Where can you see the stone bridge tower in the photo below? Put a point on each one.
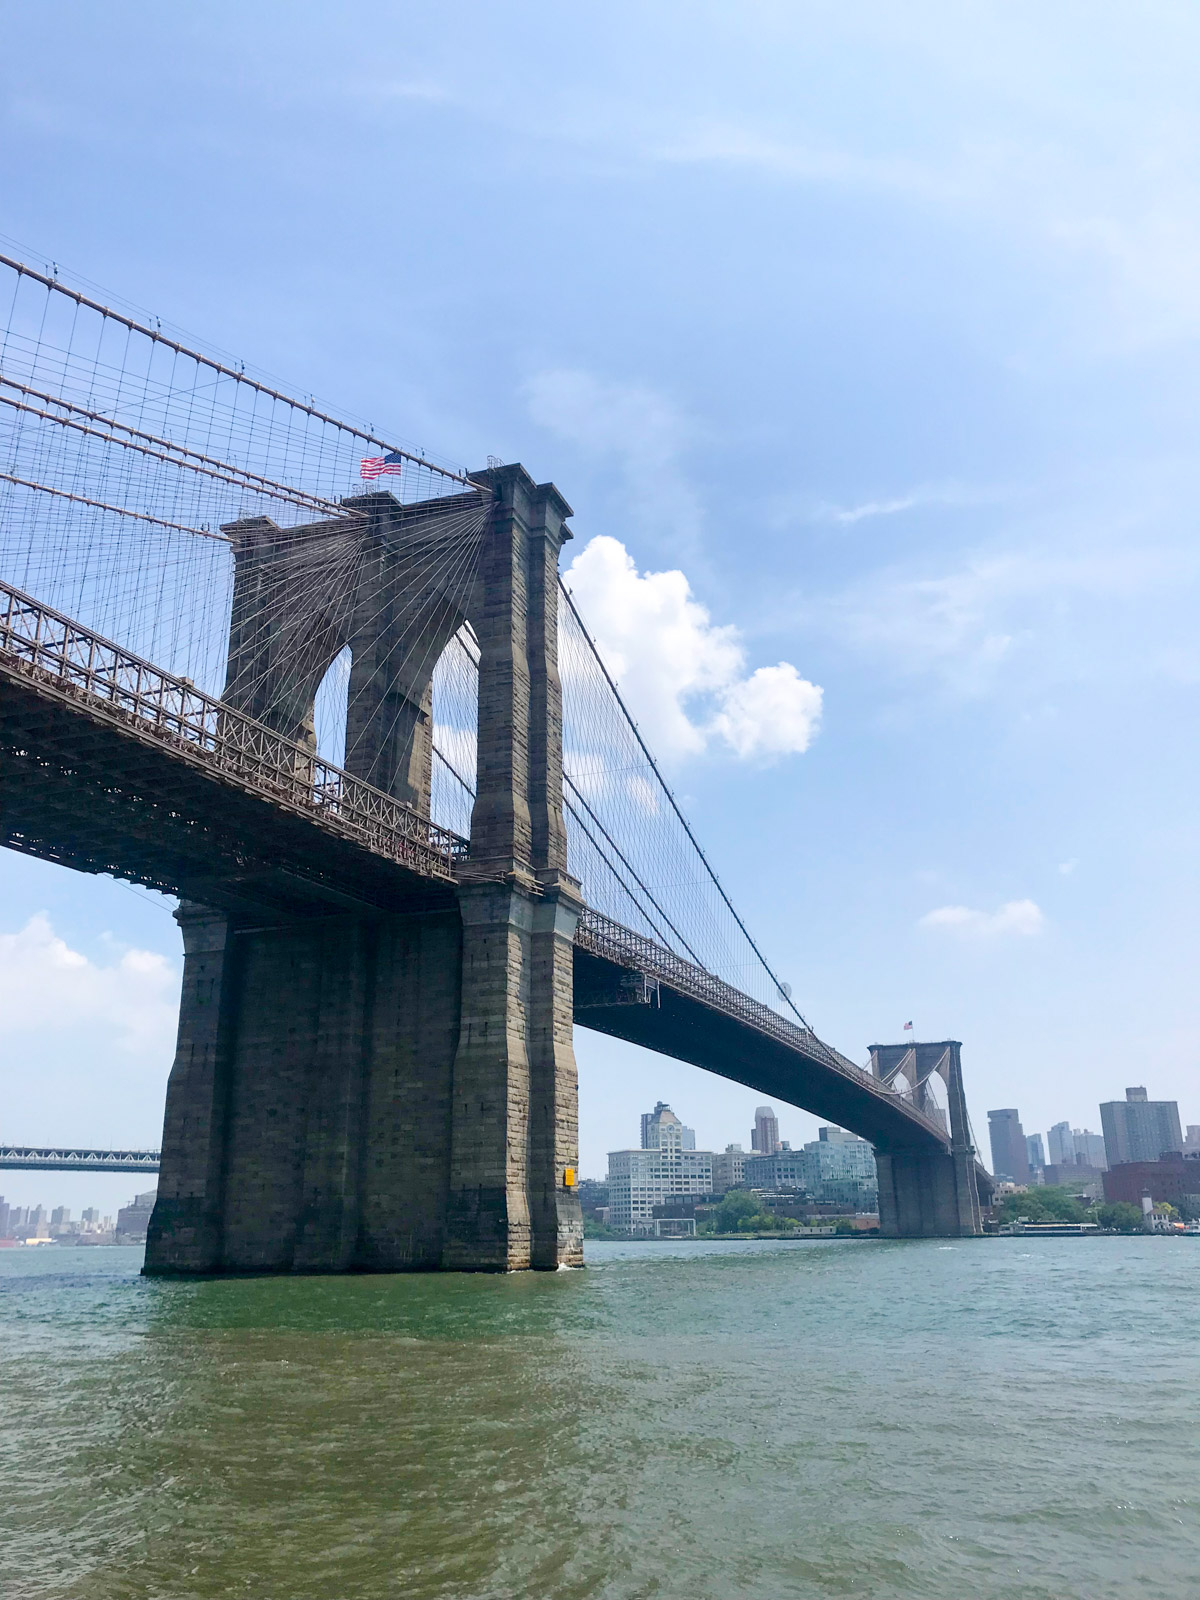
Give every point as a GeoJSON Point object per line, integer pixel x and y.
{"type": "Point", "coordinates": [928, 1193]}
{"type": "Point", "coordinates": [385, 1091]}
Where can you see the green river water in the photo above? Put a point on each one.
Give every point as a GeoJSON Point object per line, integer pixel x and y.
{"type": "Point", "coordinates": [999, 1419]}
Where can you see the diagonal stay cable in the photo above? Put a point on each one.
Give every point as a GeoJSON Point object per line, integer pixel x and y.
{"type": "Point", "coordinates": [626, 863]}
{"type": "Point", "coordinates": [633, 899]}
{"type": "Point", "coordinates": [155, 334]}
{"type": "Point", "coordinates": [675, 804]}
{"type": "Point", "coordinates": [455, 774]}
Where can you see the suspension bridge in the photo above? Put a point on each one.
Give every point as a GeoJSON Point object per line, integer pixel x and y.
{"type": "Point", "coordinates": [334, 695]}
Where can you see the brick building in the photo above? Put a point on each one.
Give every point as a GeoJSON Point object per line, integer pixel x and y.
{"type": "Point", "coordinates": [1174, 1178]}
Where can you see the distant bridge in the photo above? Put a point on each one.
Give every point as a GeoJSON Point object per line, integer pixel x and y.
{"type": "Point", "coordinates": [74, 1158]}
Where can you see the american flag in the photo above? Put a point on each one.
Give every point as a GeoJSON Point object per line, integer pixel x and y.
{"type": "Point", "coordinates": [907, 1026]}
{"type": "Point", "coordinates": [376, 466]}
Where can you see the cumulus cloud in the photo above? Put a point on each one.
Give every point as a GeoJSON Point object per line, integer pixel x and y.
{"type": "Point", "coordinates": [685, 675]}
{"type": "Point", "coordinates": [1022, 918]}
{"type": "Point", "coordinates": [90, 1038]}
{"type": "Point", "coordinates": [773, 712]}
{"type": "Point", "coordinates": [47, 988]}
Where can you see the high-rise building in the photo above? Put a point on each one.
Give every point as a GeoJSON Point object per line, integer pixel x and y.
{"type": "Point", "coordinates": [1061, 1144]}
{"type": "Point", "coordinates": [1035, 1155]}
{"type": "Point", "coordinates": [134, 1219]}
{"type": "Point", "coordinates": [1138, 1128]}
{"type": "Point", "coordinates": [1007, 1136]}
{"type": "Point", "coordinates": [764, 1136]}
{"type": "Point", "coordinates": [1089, 1148]}
{"type": "Point", "coordinates": [663, 1169]}
{"type": "Point", "coordinates": [1191, 1139]}
{"type": "Point", "coordinates": [650, 1126]}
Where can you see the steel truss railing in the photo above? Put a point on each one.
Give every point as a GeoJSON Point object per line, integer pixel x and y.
{"type": "Point", "coordinates": [610, 940]}
{"type": "Point", "coordinates": [50, 649]}
{"type": "Point", "coordinates": [74, 1158]}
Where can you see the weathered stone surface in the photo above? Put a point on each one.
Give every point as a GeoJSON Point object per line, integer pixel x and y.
{"type": "Point", "coordinates": [395, 1091]}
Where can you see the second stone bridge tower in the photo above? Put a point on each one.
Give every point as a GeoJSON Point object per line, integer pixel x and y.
{"type": "Point", "coordinates": [384, 1091]}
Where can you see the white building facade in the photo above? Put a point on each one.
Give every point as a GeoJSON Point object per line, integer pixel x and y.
{"type": "Point", "coordinates": [665, 1169]}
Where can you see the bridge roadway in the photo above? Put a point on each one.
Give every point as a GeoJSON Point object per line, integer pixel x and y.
{"type": "Point", "coordinates": [111, 765]}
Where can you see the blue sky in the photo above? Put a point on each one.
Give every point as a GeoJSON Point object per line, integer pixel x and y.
{"type": "Point", "coordinates": [879, 323]}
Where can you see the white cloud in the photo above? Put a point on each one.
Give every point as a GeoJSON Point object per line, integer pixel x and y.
{"type": "Point", "coordinates": [1068, 867]}
{"type": "Point", "coordinates": [872, 508]}
{"type": "Point", "coordinates": [948, 494]}
{"type": "Point", "coordinates": [1022, 918]}
{"type": "Point", "coordinates": [683, 674]}
{"type": "Point", "coordinates": [47, 988]}
{"type": "Point", "coordinates": [772, 712]}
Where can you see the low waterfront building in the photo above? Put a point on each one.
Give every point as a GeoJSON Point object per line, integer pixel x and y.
{"type": "Point", "coordinates": [1076, 1177]}
{"type": "Point", "coordinates": [841, 1170]}
{"type": "Point", "coordinates": [837, 1168]}
{"type": "Point", "coordinates": [1175, 1180]}
{"type": "Point", "coordinates": [787, 1169]}
{"type": "Point", "coordinates": [728, 1169]}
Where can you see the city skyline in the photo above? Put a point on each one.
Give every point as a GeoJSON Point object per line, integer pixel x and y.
{"type": "Point", "coordinates": [1137, 1129]}
{"type": "Point", "coordinates": [835, 1171]}
{"type": "Point", "coordinates": [21, 1222]}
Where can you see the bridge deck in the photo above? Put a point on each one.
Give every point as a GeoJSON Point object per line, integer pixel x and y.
{"type": "Point", "coordinates": [688, 1014]}
{"type": "Point", "coordinates": [111, 765]}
